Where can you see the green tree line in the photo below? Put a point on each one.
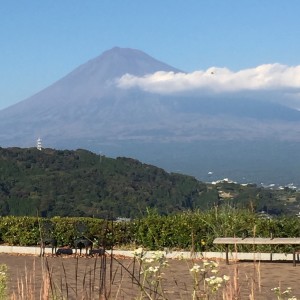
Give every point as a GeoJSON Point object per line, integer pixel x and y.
{"type": "Point", "coordinates": [80, 183]}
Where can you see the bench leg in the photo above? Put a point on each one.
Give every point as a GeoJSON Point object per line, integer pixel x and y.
{"type": "Point", "coordinates": [294, 257]}
{"type": "Point", "coordinates": [227, 259]}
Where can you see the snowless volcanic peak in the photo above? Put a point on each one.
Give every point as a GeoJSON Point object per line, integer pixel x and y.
{"type": "Point", "coordinates": [83, 104]}
{"type": "Point", "coordinates": [87, 108]}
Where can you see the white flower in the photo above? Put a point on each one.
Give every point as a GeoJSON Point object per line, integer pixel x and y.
{"type": "Point", "coordinates": [226, 278]}
{"type": "Point", "coordinates": [195, 269]}
{"type": "Point", "coordinates": [213, 280]}
{"type": "Point", "coordinates": [153, 269]}
{"type": "Point", "coordinates": [138, 252]}
{"type": "Point", "coordinates": [287, 291]}
{"type": "Point", "coordinates": [206, 263]}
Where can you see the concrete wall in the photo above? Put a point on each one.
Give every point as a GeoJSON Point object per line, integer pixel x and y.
{"type": "Point", "coordinates": [169, 254]}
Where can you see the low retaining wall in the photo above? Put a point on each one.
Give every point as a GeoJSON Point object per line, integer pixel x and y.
{"type": "Point", "coordinates": [169, 254]}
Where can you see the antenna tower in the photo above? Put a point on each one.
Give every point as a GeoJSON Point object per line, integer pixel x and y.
{"type": "Point", "coordinates": [39, 144]}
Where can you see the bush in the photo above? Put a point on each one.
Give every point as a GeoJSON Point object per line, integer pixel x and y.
{"type": "Point", "coordinates": [190, 231]}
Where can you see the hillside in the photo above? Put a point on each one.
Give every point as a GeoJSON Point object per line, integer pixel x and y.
{"type": "Point", "coordinates": [80, 183]}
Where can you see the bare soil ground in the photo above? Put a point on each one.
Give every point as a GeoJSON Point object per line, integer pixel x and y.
{"type": "Point", "coordinates": [87, 278]}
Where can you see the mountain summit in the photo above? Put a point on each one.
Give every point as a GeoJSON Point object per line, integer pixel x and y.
{"type": "Point", "coordinates": [113, 64]}
{"type": "Point", "coordinates": [82, 104]}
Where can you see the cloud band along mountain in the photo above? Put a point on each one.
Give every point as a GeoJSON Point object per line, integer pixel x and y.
{"type": "Point", "coordinates": [90, 103]}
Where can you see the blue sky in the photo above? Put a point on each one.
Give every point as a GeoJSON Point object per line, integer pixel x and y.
{"type": "Point", "coordinates": [41, 41]}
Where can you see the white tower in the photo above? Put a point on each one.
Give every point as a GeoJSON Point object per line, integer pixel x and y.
{"type": "Point", "coordinates": [39, 144]}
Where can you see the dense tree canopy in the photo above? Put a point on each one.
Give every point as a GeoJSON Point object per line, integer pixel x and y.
{"type": "Point", "coordinates": [80, 183]}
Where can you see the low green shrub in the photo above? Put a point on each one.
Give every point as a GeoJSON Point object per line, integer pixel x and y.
{"type": "Point", "coordinates": [190, 231]}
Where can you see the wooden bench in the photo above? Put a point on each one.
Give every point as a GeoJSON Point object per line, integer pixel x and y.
{"type": "Point", "coordinates": [258, 241]}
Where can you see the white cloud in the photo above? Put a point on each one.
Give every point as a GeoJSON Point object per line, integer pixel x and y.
{"type": "Point", "coordinates": [268, 77]}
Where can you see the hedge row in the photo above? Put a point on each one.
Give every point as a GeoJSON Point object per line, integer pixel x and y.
{"type": "Point", "coordinates": [185, 231]}
{"type": "Point", "coordinates": [28, 231]}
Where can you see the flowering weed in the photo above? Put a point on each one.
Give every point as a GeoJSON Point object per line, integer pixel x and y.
{"type": "Point", "coordinates": [283, 295]}
{"type": "Point", "coordinates": [151, 271]}
{"type": "Point", "coordinates": [3, 281]}
{"type": "Point", "coordinates": [205, 280]}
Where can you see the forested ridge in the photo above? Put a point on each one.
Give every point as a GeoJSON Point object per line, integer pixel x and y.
{"type": "Point", "coordinates": [80, 183]}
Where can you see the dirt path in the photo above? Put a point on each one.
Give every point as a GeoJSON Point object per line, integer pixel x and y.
{"type": "Point", "coordinates": [86, 278]}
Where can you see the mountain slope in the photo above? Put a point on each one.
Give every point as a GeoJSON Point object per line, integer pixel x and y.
{"type": "Point", "coordinates": [83, 103]}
